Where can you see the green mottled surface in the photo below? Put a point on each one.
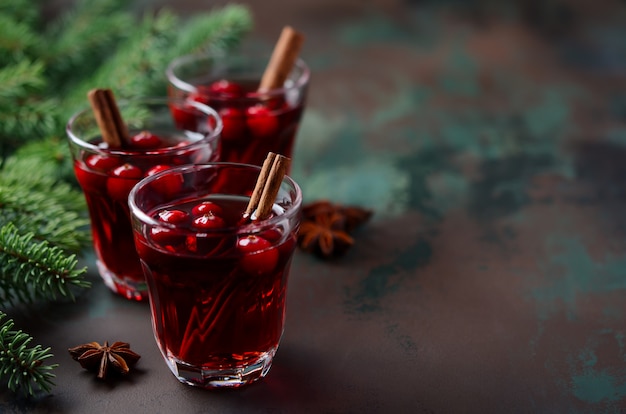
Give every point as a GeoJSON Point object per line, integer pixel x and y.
{"type": "Point", "coordinates": [490, 140]}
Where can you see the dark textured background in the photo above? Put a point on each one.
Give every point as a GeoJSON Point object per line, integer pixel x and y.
{"type": "Point", "coordinates": [490, 139]}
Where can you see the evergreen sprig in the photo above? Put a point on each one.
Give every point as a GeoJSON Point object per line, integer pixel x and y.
{"type": "Point", "coordinates": [38, 203]}
{"type": "Point", "coordinates": [23, 366]}
{"type": "Point", "coordinates": [35, 270]}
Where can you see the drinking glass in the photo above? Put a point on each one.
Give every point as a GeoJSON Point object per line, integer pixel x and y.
{"type": "Point", "coordinates": [217, 282]}
{"type": "Point", "coordinates": [106, 175]}
{"type": "Point", "coordinates": [255, 122]}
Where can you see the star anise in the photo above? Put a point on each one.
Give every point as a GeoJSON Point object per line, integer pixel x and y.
{"type": "Point", "coordinates": [95, 357]}
{"type": "Point", "coordinates": [325, 227]}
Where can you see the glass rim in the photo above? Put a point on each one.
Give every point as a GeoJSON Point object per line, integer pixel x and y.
{"type": "Point", "coordinates": [173, 78]}
{"type": "Point", "coordinates": [136, 211]}
{"type": "Point", "coordinates": [207, 110]}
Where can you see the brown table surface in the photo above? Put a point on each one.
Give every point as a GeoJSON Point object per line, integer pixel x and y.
{"type": "Point", "coordinates": [490, 140]}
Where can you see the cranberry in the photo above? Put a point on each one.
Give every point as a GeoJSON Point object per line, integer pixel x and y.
{"type": "Point", "coordinates": [261, 121]}
{"type": "Point", "coordinates": [157, 169]}
{"type": "Point", "coordinates": [226, 88]}
{"type": "Point", "coordinates": [260, 257]}
{"type": "Point", "coordinates": [208, 221]}
{"type": "Point", "coordinates": [169, 239]}
{"type": "Point", "coordinates": [90, 174]}
{"type": "Point", "coordinates": [275, 236]}
{"type": "Point", "coordinates": [143, 251]}
{"type": "Point", "coordinates": [185, 117]}
{"type": "Point", "coordinates": [90, 181]}
{"type": "Point", "coordinates": [122, 179]}
{"type": "Point", "coordinates": [206, 207]}
{"type": "Point", "coordinates": [272, 235]}
{"type": "Point", "coordinates": [173, 216]}
{"type": "Point", "coordinates": [201, 95]}
{"type": "Point", "coordinates": [146, 140]}
{"type": "Point", "coordinates": [101, 162]}
{"type": "Point", "coordinates": [234, 123]}
{"type": "Point", "coordinates": [168, 185]}
{"type": "Point", "coordinates": [211, 123]}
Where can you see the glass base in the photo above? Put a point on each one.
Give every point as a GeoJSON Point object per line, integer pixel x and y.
{"type": "Point", "coordinates": [221, 378]}
{"type": "Point", "coordinates": [129, 289]}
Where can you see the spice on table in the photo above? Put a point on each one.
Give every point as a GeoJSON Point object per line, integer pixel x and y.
{"type": "Point", "coordinates": [326, 227]}
{"type": "Point", "coordinates": [103, 358]}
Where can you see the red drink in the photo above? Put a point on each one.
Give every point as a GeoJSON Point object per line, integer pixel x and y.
{"type": "Point", "coordinates": [255, 123]}
{"type": "Point", "coordinates": [217, 286]}
{"type": "Point", "coordinates": [107, 175]}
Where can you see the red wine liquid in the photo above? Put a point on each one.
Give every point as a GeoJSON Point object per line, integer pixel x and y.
{"type": "Point", "coordinates": [214, 304]}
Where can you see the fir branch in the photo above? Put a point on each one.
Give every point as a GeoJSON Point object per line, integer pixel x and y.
{"type": "Point", "coordinates": [21, 365]}
{"type": "Point", "coordinates": [139, 61]}
{"type": "Point", "coordinates": [223, 28]}
{"type": "Point", "coordinates": [29, 121]}
{"type": "Point", "coordinates": [17, 38]}
{"type": "Point", "coordinates": [51, 156]}
{"type": "Point", "coordinates": [20, 11]}
{"type": "Point", "coordinates": [20, 80]}
{"type": "Point", "coordinates": [138, 66]}
{"type": "Point", "coordinates": [55, 213]}
{"type": "Point", "coordinates": [84, 37]}
{"type": "Point", "coordinates": [35, 270]}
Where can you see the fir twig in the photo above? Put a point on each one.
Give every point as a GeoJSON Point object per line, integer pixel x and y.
{"type": "Point", "coordinates": [33, 270]}
{"type": "Point", "coordinates": [17, 38]}
{"type": "Point", "coordinates": [224, 29]}
{"type": "Point", "coordinates": [52, 211]}
{"type": "Point", "coordinates": [23, 366]}
{"type": "Point", "coordinates": [20, 11]}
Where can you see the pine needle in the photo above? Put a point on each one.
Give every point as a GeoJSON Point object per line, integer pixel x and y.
{"type": "Point", "coordinates": [23, 366]}
{"type": "Point", "coordinates": [35, 270]}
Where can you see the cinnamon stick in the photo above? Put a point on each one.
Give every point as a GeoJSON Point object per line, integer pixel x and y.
{"type": "Point", "coordinates": [274, 169]}
{"type": "Point", "coordinates": [282, 60]}
{"type": "Point", "coordinates": [260, 184]}
{"type": "Point", "coordinates": [112, 127]}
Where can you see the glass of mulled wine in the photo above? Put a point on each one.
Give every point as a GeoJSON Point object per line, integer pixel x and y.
{"type": "Point", "coordinates": [217, 282]}
{"type": "Point", "coordinates": [106, 175]}
{"type": "Point", "coordinates": [255, 122]}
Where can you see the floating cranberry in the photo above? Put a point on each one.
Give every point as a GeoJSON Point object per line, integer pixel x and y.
{"type": "Point", "coordinates": [101, 162]}
{"type": "Point", "coordinates": [185, 116]}
{"type": "Point", "coordinates": [200, 95]}
{"type": "Point", "coordinates": [90, 181]}
{"type": "Point", "coordinates": [146, 140]}
{"type": "Point", "coordinates": [225, 88]}
{"type": "Point", "coordinates": [234, 123]}
{"type": "Point", "coordinates": [206, 207]}
{"type": "Point", "coordinates": [261, 121]}
{"type": "Point", "coordinates": [157, 169]}
{"type": "Point", "coordinates": [169, 239]}
{"type": "Point", "coordinates": [272, 235]}
{"type": "Point", "coordinates": [91, 174]}
{"type": "Point", "coordinates": [260, 257]}
{"type": "Point", "coordinates": [173, 216]}
{"type": "Point", "coordinates": [122, 179]}
{"type": "Point", "coordinates": [208, 221]}
{"type": "Point", "coordinates": [168, 185]}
